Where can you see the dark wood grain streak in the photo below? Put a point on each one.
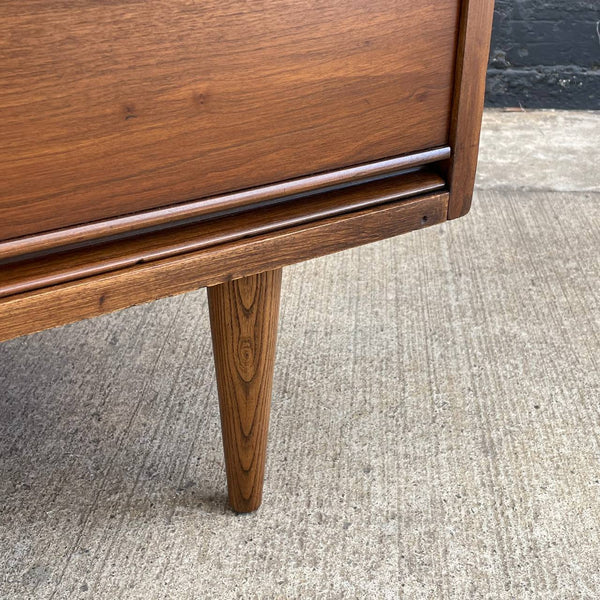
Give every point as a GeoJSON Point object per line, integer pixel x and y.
{"type": "Point", "coordinates": [42, 271]}
{"type": "Point", "coordinates": [60, 304]}
{"type": "Point", "coordinates": [243, 315]}
{"type": "Point", "coordinates": [136, 223]}
{"type": "Point", "coordinates": [469, 91]}
{"type": "Point", "coordinates": [113, 108]}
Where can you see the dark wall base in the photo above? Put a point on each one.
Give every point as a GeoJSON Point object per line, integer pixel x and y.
{"type": "Point", "coordinates": [544, 87]}
{"type": "Point", "coordinates": [545, 54]}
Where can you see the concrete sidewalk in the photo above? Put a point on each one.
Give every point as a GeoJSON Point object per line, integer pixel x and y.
{"type": "Point", "coordinates": [435, 429]}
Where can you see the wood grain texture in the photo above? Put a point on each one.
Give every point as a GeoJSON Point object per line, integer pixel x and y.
{"type": "Point", "coordinates": [111, 108]}
{"type": "Point", "coordinates": [93, 296]}
{"type": "Point", "coordinates": [244, 315]}
{"type": "Point", "coordinates": [469, 91]}
{"type": "Point", "coordinates": [190, 211]}
{"type": "Point", "coordinates": [17, 276]}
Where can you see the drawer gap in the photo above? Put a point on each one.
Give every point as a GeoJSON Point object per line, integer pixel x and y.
{"type": "Point", "coordinates": [18, 275]}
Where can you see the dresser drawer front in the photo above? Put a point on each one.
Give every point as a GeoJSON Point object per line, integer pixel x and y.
{"type": "Point", "coordinates": [112, 108]}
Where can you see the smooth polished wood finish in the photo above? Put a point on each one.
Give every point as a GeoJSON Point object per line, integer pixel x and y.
{"type": "Point", "coordinates": [41, 271]}
{"type": "Point", "coordinates": [112, 108]}
{"type": "Point", "coordinates": [469, 92]}
{"type": "Point", "coordinates": [243, 315]}
{"type": "Point", "coordinates": [191, 211]}
{"type": "Point", "coordinates": [92, 296]}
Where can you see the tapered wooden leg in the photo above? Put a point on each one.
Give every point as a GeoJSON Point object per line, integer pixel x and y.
{"type": "Point", "coordinates": [243, 317]}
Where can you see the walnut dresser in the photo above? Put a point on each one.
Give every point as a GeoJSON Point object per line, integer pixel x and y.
{"type": "Point", "coordinates": [152, 147]}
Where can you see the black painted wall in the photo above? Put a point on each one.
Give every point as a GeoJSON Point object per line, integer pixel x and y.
{"type": "Point", "coordinates": [545, 54]}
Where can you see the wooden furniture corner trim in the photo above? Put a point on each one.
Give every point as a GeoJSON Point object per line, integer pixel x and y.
{"type": "Point", "coordinates": [469, 91]}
